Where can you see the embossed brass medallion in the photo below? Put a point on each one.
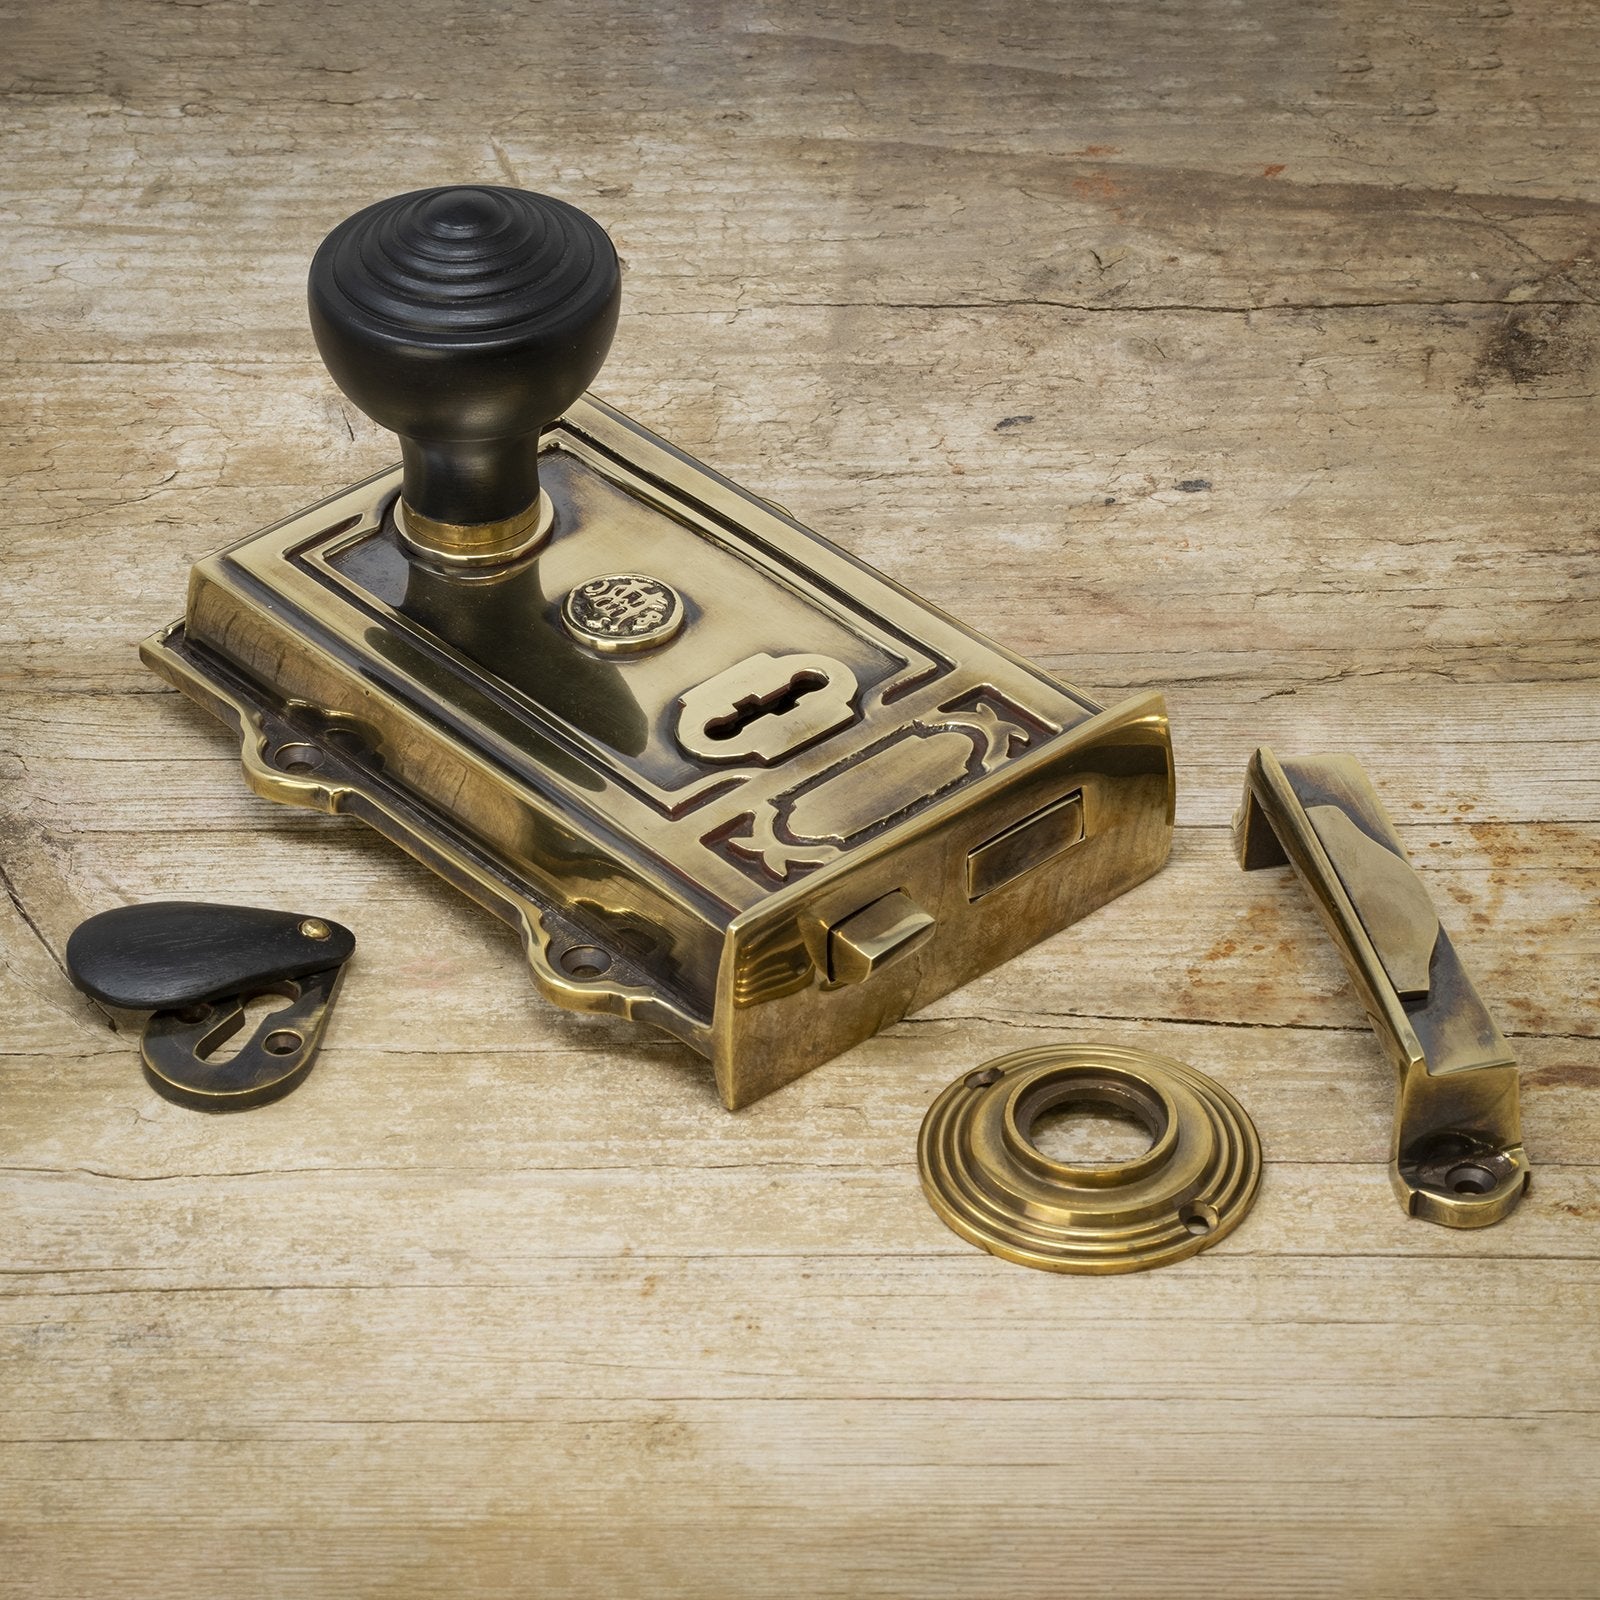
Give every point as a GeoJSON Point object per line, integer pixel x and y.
{"type": "Point", "coordinates": [622, 613]}
{"type": "Point", "coordinates": [988, 1180]}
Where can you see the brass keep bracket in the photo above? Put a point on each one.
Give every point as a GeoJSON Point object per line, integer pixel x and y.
{"type": "Point", "coordinates": [1457, 1157]}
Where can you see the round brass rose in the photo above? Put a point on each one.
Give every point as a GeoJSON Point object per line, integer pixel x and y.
{"type": "Point", "coordinates": [983, 1174]}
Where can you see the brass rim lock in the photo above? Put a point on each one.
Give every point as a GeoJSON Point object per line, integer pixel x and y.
{"type": "Point", "coordinates": [722, 778]}
{"type": "Point", "coordinates": [989, 1181]}
{"type": "Point", "coordinates": [195, 968]}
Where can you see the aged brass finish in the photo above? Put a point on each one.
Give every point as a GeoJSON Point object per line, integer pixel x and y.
{"type": "Point", "coordinates": [862, 944]}
{"type": "Point", "coordinates": [703, 813]}
{"type": "Point", "coordinates": [177, 1046]}
{"type": "Point", "coordinates": [988, 1181]}
{"type": "Point", "coordinates": [766, 707]}
{"type": "Point", "coordinates": [1395, 910]}
{"type": "Point", "coordinates": [720, 776]}
{"type": "Point", "coordinates": [1024, 846]}
{"type": "Point", "coordinates": [476, 544]}
{"type": "Point", "coordinates": [623, 613]}
{"type": "Point", "coordinates": [1457, 1155]}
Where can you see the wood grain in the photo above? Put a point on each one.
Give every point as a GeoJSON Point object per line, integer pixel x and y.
{"type": "Point", "coordinates": [1245, 350]}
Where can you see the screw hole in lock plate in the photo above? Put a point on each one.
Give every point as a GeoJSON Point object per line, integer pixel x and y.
{"type": "Point", "coordinates": [1458, 1166]}
{"type": "Point", "coordinates": [584, 961]}
{"type": "Point", "coordinates": [297, 758]}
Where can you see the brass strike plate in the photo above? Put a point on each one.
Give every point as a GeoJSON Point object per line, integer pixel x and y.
{"type": "Point", "coordinates": [691, 830]}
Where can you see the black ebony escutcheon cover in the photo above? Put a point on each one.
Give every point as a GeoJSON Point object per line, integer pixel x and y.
{"type": "Point", "coordinates": [176, 952]}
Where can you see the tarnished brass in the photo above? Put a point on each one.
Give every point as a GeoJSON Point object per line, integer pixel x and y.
{"type": "Point", "coordinates": [987, 1179]}
{"type": "Point", "coordinates": [682, 833]}
{"type": "Point", "coordinates": [177, 1046]}
{"type": "Point", "coordinates": [623, 613]}
{"type": "Point", "coordinates": [476, 544]}
{"type": "Point", "coordinates": [1457, 1155]}
{"type": "Point", "coordinates": [1025, 845]}
{"type": "Point", "coordinates": [860, 945]}
{"type": "Point", "coordinates": [766, 707]}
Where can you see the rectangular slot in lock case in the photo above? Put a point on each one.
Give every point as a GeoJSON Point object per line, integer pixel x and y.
{"type": "Point", "coordinates": [721, 776]}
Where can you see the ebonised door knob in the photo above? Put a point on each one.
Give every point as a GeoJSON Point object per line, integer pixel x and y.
{"type": "Point", "coordinates": [466, 320]}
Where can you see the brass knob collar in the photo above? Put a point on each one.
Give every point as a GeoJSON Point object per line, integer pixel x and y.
{"type": "Point", "coordinates": [477, 544]}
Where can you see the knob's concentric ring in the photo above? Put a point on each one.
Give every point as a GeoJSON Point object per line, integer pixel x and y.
{"type": "Point", "coordinates": [467, 320]}
{"type": "Point", "coordinates": [466, 263]}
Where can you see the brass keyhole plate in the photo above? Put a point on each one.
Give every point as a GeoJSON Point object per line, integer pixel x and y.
{"type": "Point", "coordinates": [989, 1181]}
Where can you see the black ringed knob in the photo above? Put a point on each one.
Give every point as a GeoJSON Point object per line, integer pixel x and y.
{"type": "Point", "coordinates": [465, 320]}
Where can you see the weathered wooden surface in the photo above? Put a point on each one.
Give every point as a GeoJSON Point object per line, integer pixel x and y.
{"type": "Point", "coordinates": [1244, 349]}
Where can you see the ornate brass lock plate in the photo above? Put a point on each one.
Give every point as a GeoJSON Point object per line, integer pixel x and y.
{"type": "Point", "coordinates": [684, 745]}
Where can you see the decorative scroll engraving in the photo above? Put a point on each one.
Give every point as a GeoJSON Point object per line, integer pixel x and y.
{"type": "Point", "coordinates": [888, 781]}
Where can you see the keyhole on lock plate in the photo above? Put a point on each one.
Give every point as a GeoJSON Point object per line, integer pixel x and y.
{"type": "Point", "coordinates": [778, 702]}
{"type": "Point", "coordinates": [766, 707]}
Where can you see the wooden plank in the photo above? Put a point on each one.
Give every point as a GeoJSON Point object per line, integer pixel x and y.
{"type": "Point", "coordinates": [829, 1499]}
{"type": "Point", "coordinates": [1246, 352]}
{"type": "Point", "coordinates": [1209, 506]}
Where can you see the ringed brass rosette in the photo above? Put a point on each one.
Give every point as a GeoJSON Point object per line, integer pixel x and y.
{"type": "Point", "coordinates": [983, 1174]}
